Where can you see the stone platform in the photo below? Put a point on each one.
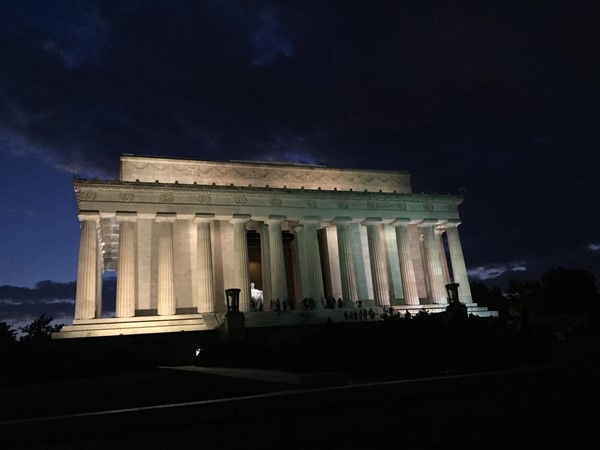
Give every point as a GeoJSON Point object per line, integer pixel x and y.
{"type": "Point", "coordinates": [203, 322]}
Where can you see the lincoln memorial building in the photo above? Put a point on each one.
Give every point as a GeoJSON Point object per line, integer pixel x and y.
{"type": "Point", "coordinates": [179, 233]}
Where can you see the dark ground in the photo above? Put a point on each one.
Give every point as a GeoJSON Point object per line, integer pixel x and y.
{"type": "Point", "coordinates": [57, 377]}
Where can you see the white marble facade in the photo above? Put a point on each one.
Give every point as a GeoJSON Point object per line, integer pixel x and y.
{"type": "Point", "coordinates": [176, 233]}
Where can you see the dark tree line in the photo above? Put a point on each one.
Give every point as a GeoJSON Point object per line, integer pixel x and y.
{"type": "Point", "coordinates": [560, 291]}
{"type": "Point", "coordinates": [39, 329]}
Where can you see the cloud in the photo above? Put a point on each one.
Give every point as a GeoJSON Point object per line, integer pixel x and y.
{"type": "Point", "coordinates": [20, 305]}
{"type": "Point", "coordinates": [462, 97]}
{"type": "Point", "coordinates": [491, 272]}
{"type": "Point", "coordinates": [269, 42]}
{"type": "Point", "coordinates": [594, 247]}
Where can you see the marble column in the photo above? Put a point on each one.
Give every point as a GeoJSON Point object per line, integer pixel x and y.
{"type": "Point", "coordinates": [349, 290]}
{"type": "Point", "coordinates": [265, 261]}
{"type": "Point", "coordinates": [240, 255]}
{"type": "Point", "coordinates": [407, 270]}
{"type": "Point", "coordinates": [166, 289]}
{"type": "Point", "coordinates": [379, 274]}
{"type": "Point", "coordinates": [125, 306]}
{"type": "Point", "coordinates": [313, 259]}
{"type": "Point", "coordinates": [87, 277]}
{"type": "Point", "coordinates": [204, 275]}
{"type": "Point", "coordinates": [99, 274]}
{"type": "Point", "coordinates": [457, 260]}
{"type": "Point", "coordinates": [278, 277]}
{"type": "Point", "coordinates": [433, 265]}
{"type": "Point", "coordinates": [439, 234]}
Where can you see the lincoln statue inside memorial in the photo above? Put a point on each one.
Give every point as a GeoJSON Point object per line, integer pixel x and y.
{"type": "Point", "coordinates": [179, 233]}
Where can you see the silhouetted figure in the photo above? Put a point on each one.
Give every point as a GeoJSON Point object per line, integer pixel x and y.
{"type": "Point", "coordinates": [340, 303]}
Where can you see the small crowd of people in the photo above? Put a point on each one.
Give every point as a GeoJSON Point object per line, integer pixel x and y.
{"type": "Point", "coordinates": [360, 315]}
{"type": "Point", "coordinates": [281, 306]}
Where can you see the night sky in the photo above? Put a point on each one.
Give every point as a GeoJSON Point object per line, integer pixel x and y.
{"type": "Point", "coordinates": [498, 101]}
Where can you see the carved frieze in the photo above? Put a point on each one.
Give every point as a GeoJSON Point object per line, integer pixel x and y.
{"type": "Point", "coordinates": [87, 196]}
{"type": "Point", "coordinates": [166, 198]}
{"type": "Point", "coordinates": [261, 174]}
{"type": "Point", "coordinates": [240, 200]}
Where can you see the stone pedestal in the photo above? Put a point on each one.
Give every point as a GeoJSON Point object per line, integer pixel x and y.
{"type": "Point", "coordinates": [234, 328]}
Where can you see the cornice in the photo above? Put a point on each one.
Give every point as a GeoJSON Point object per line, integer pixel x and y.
{"type": "Point", "coordinates": [120, 195]}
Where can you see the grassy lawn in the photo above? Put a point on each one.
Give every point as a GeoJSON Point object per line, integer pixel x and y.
{"type": "Point", "coordinates": [124, 390]}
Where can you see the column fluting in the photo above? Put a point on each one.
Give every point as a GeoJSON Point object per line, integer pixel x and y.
{"type": "Point", "coordinates": [166, 288]}
{"type": "Point", "coordinates": [240, 250]}
{"type": "Point", "coordinates": [407, 270]}
{"type": "Point", "coordinates": [205, 277]}
{"type": "Point", "coordinates": [379, 275]}
{"type": "Point", "coordinates": [265, 259]}
{"type": "Point", "coordinates": [125, 305]}
{"type": "Point", "coordinates": [433, 265]}
{"type": "Point", "coordinates": [85, 297]}
{"type": "Point", "coordinates": [278, 276]}
{"type": "Point", "coordinates": [348, 277]}
{"type": "Point", "coordinates": [457, 260]}
{"type": "Point", "coordinates": [313, 259]}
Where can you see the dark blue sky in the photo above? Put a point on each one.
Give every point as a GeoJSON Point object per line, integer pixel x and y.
{"type": "Point", "coordinates": [498, 100]}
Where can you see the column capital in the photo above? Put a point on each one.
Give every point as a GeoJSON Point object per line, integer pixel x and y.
{"type": "Point", "coordinates": [240, 218]}
{"type": "Point", "coordinates": [452, 223]}
{"type": "Point", "coordinates": [204, 218]}
{"type": "Point", "coordinates": [372, 221]}
{"type": "Point", "coordinates": [89, 215]}
{"type": "Point", "coordinates": [310, 220]}
{"type": "Point", "coordinates": [165, 217]}
{"type": "Point", "coordinates": [275, 219]}
{"type": "Point", "coordinates": [428, 222]}
{"type": "Point", "coordinates": [402, 222]}
{"type": "Point", "coordinates": [126, 216]}
{"type": "Point", "coordinates": [341, 221]}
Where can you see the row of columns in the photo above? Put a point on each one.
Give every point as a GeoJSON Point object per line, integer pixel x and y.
{"type": "Point", "coordinates": [274, 272]}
